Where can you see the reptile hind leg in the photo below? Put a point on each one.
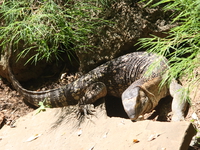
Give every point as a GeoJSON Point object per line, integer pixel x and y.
{"type": "Point", "coordinates": [93, 92]}
{"type": "Point", "coordinates": [179, 103]}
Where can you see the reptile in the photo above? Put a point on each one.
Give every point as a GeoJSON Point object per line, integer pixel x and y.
{"type": "Point", "coordinates": [125, 77]}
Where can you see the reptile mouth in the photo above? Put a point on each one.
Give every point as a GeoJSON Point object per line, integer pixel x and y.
{"type": "Point", "coordinates": [130, 109]}
{"type": "Point", "coordinates": [133, 116]}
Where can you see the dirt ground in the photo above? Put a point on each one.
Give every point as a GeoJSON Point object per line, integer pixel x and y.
{"type": "Point", "coordinates": [13, 107]}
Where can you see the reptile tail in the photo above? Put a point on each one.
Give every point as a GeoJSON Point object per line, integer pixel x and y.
{"type": "Point", "coordinates": [52, 98]}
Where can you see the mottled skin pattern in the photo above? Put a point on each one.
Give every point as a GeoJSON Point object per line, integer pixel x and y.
{"type": "Point", "coordinates": [121, 77]}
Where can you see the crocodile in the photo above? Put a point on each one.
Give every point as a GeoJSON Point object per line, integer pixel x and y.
{"type": "Point", "coordinates": [125, 77]}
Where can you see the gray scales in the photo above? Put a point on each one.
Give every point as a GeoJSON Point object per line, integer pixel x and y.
{"type": "Point", "coordinates": [124, 77]}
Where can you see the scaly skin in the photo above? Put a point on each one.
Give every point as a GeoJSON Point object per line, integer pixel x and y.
{"type": "Point", "coordinates": [124, 76]}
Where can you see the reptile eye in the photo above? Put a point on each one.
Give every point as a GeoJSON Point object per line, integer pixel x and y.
{"type": "Point", "coordinates": [143, 100]}
{"type": "Point", "coordinates": [146, 99]}
{"type": "Point", "coordinates": [138, 100]}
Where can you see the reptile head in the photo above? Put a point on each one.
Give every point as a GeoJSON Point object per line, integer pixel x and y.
{"type": "Point", "coordinates": [134, 101]}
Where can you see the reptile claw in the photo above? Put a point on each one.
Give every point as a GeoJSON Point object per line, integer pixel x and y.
{"type": "Point", "coordinates": [87, 109]}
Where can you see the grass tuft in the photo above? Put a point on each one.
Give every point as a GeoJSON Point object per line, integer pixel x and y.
{"type": "Point", "coordinates": [182, 46]}
{"type": "Point", "coordinates": [49, 27]}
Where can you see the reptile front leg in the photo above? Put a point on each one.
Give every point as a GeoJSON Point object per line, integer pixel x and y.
{"type": "Point", "coordinates": [179, 103]}
{"type": "Point", "coordinates": [93, 92]}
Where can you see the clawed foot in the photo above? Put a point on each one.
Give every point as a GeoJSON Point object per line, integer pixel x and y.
{"type": "Point", "coordinates": [177, 118]}
{"type": "Point", "coordinates": [86, 110]}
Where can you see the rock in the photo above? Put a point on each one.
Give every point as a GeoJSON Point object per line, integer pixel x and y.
{"type": "Point", "coordinates": [24, 71]}
{"type": "Point", "coordinates": [131, 21]}
{"type": "Point", "coordinates": [59, 129]}
{"type": "Point", "coordinates": [196, 140]}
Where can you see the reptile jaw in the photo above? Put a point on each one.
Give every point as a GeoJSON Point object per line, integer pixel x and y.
{"type": "Point", "coordinates": [130, 108]}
